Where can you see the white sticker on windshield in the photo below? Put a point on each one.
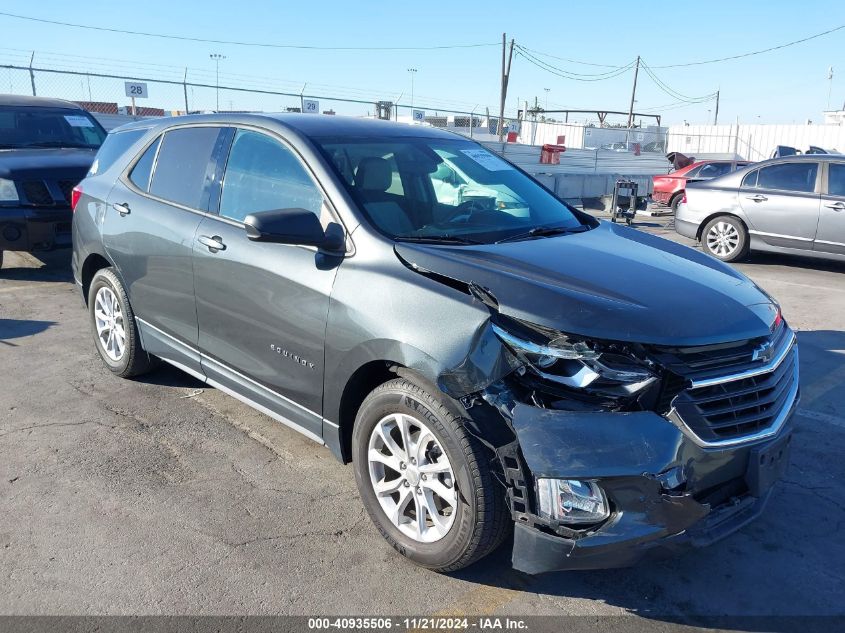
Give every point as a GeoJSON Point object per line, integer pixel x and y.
{"type": "Point", "coordinates": [486, 159]}
{"type": "Point", "coordinates": [77, 120]}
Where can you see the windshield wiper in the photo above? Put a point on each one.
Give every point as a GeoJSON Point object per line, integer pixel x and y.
{"type": "Point", "coordinates": [437, 239]}
{"type": "Point", "coordinates": [543, 231]}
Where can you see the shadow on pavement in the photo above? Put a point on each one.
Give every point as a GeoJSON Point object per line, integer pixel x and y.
{"type": "Point", "coordinates": [810, 263]}
{"type": "Point", "coordinates": [56, 266]}
{"type": "Point", "coordinates": [18, 328]}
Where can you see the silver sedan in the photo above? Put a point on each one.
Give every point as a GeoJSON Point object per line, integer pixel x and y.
{"type": "Point", "coordinates": [790, 205]}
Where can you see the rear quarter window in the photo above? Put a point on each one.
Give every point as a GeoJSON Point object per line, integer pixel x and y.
{"type": "Point", "coordinates": [113, 148]}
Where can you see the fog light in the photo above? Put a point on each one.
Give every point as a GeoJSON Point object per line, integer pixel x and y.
{"type": "Point", "coordinates": [572, 501]}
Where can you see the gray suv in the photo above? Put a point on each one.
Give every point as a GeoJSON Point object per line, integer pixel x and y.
{"type": "Point", "coordinates": [490, 364]}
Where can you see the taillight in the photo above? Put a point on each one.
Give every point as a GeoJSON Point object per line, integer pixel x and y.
{"type": "Point", "coordinates": [75, 195]}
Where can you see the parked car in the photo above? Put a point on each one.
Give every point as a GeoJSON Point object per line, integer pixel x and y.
{"type": "Point", "coordinates": [669, 189]}
{"type": "Point", "coordinates": [786, 150]}
{"type": "Point", "coordinates": [480, 369]}
{"type": "Point", "coordinates": [792, 205]}
{"type": "Point", "coordinates": [46, 146]}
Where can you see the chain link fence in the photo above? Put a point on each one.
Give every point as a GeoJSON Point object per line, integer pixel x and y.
{"type": "Point", "coordinates": [106, 94]}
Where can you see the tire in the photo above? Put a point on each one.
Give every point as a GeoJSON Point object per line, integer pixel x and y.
{"type": "Point", "coordinates": [675, 202]}
{"type": "Point", "coordinates": [478, 521]}
{"type": "Point", "coordinates": [107, 293]}
{"type": "Point", "coordinates": [726, 238]}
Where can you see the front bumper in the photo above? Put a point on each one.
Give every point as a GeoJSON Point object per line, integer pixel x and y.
{"type": "Point", "coordinates": [24, 228]}
{"type": "Point", "coordinates": [667, 492]}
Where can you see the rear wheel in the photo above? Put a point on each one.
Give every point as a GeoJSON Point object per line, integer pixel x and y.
{"type": "Point", "coordinates": [725, 238]}
{"type": "Point", "coordinates": [114, 328]}
{"type": "Point", "coordinates": [425, 482]}
{"type": "Point", "coordinates": [675, 202]}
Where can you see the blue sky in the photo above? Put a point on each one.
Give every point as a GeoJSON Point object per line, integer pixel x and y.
{"type": "Point", "coordinates": [784, 86]}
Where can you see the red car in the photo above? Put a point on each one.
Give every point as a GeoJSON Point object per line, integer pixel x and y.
{"type": "Point", "coordinates": [669, 189]}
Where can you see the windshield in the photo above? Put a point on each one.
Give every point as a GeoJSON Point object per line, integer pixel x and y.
{"type": "Point", "coordinates": [443, 189]}
{"type": "Point", "coordinates": [28, 126]}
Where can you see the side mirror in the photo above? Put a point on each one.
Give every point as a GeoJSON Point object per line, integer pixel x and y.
{"type": "Point", "coordinates": [293, 226]}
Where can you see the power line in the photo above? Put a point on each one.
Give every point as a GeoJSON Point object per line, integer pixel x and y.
{"type": "Point", "coordinates": [565, 59]}
{"type": "Point", "coordinates": [760, 52]}
{"type": "Point", "coordinates": [239, 43]}
{"type": "Point", "coordinates": [674, 93]}
{"type": "Point", "coordinates": [569, 75]}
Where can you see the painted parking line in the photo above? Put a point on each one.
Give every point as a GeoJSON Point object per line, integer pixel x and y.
{"type": "Point", "coordinates": [818, 416]}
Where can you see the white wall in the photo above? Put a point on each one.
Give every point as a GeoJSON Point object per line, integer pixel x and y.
{"type": "Point", "coordinates": [754, 142]}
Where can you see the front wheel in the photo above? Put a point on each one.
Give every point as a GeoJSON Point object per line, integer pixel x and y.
{"type": "Point", "coordinates": [725, 238]}
{"type": "Point", "coordinates": [426, 483]}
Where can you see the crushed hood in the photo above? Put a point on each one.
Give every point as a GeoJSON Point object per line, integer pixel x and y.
{"type": "Point", "coordinates": [611, 282]}
{"type": "Point", "coordinates": [45, 163]}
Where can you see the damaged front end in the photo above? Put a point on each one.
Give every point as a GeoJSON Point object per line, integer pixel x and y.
{"type": "Point", "coordinates": [599, 468]}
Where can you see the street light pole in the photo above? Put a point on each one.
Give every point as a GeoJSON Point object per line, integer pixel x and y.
{"type": "Point", "coordinates": [547, 97]}
{"type": "Point", "coordinates": [217, 57]}
{"type": "Point", "coordinates": [412, 72]}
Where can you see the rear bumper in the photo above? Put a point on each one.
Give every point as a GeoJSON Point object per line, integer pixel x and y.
{"type": "Point", "coordinates": [661, 197]}
{"type": "Point", "coordinates": [34, 229]}
{"type": "Point", "coordinates": [686, 228]}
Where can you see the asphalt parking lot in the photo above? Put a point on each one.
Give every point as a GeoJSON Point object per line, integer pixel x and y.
{"type": "Point", "coordinates": [161, 495]}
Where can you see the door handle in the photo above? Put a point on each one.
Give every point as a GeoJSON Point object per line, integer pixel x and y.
{"type": "Point", "coordinates": [836, 206]}
{"type": "Point", "coordinates": [122, 208]}
{"type": "Point", "coordinates": [214, 243]}
{"type": "Point", "coordinates": [757, 198]}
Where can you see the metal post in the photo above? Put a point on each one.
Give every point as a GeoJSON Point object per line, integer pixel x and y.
{"type": "Point", "coordinates": [217, 57]}
{"type": "Point", "coordinates": [633, 93]}
{"type": "Point", "coordinates": [506, 70]}
{"type": "Point", "coordinates": [32, 73]}
{"type": "Point", "coordinates": [412, 72]}
{"type": "Point", "coordinates": [185, 89]}
{"type": "Point", "coordinates": [716, 115]}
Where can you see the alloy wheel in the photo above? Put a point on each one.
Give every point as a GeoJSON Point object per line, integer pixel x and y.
{"type": "Point", "coordinates": [723, 239]}
{"type": "Point", "coordinates": [108, 319]}
{"type": "Point", "coordinates": [412, 478]}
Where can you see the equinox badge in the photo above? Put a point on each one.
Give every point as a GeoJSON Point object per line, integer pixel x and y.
{"type": "Point", "coordinates": [294, 357]}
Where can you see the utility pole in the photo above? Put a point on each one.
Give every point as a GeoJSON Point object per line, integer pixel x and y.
{"type": "Point", "coordinates": [506, 73]}
{"type": "Point", "coordinates": [217, 57]}
{"type": "Point", "coordinates": [716, 116]}
{"type": "Point", "coordinates": [633, 93]}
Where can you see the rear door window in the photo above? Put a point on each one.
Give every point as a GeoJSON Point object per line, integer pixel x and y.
{"type": "Point", "coordinates": [184, 170]}
{"type": "Point", "coordinates": [836, 179]}
{"type": "Point", "coordinates": [800, 177]}
{"type": "Point", "coordinates": [113, 148]}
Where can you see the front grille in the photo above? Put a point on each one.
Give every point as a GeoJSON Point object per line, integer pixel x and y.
{"type": "Point", "coordinates": [67, 186]}
{"type": "Point", "coordinates": [709, 361]}
{"type": "Point", "coordinates": [37, 193]}
{"type": "Point", "coordinates": [727, 392]}
{"type": "Point", "coordinates": [740, 407]}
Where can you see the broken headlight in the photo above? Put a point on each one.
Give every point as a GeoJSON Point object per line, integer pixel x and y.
{"type": "Point", "coordinates": [572, 501]}
{"type": "Point", "coordinates": [579, 363]}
